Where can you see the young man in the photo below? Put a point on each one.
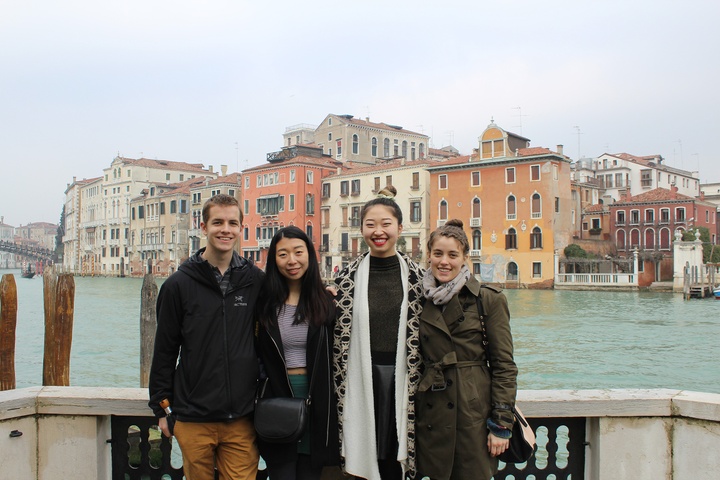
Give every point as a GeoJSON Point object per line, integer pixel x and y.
{"type": "Point", "coordinates": [204, 362]}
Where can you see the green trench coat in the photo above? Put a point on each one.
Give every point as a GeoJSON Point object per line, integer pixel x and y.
{"type": "Point", "coordinates": [457, 392]}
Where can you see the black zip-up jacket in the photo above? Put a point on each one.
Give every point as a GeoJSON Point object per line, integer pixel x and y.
{"type": "Point", "coordinates": [324, 447]}
{"type": "Point", "coordinates": [205, 362]}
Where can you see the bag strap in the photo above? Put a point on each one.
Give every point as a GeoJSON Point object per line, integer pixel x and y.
{"type": "Point", "coordinates": [317, 355]}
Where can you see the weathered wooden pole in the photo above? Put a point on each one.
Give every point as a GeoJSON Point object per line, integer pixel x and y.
{"type": "Point", "coordinates": [8, 323]}
{"type": "Point", "coordinates": [148, 323]}
{"type": "Point", "coordinates": [49, 286]}
{"type": "Point", "coordinates": [58, 360]}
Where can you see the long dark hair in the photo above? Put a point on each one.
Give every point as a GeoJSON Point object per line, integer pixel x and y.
{"type": "Point", "coordinates": [315, 304]}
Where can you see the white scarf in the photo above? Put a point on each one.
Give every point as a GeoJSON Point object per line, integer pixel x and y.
{"type": "Point", "coordinates": [359, 443]}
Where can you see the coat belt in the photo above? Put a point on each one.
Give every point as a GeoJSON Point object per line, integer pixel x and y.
{"type": "Point", "coordinates": [434, 378]}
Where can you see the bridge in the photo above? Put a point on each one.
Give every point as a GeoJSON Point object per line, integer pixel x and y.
{"type": "Point", "coordinates": [26, 251]}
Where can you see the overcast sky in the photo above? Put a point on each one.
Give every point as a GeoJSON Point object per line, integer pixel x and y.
{"type": "Point", "coordinates": [217, 82]}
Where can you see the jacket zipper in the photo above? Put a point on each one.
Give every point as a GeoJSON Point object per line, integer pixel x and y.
{"type": "Point", "coordinates": [287, 378]}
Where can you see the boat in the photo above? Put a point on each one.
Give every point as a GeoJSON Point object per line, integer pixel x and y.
{"type": "Point", "coordinates": [716, 292]}
{"type": "Point", "coordinates": [27, 271]}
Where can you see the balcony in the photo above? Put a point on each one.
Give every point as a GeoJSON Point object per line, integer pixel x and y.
{"type": "Point", "coordinates": [265, 243]}
{"type": "Point", "coordinates": [88, 433]}
{"type": "Point", "coordinates": [440, 223]}
{"type": "Point", "coordinates": [475, 253]}
{"type": "Point", "coordinates": [475, 222]}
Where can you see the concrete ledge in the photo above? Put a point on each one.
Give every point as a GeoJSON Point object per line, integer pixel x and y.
{"type": "Point", "coordinates": [93, 401]}
{"type": "Point", "coordinates": [18, 403]}
{"type": "Point", "coordinates": [597, 403]}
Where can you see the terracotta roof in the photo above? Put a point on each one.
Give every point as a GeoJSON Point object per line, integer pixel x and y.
{"type": "Point", "coordinates": [233, 178]}
{"type": "Point", "coordinates": [598, 207]}
{"type": "Point", "coordinates": [326, 162]}
{"type": "Point", "coordinates": [657, 195]}
{"type": "Point", "coordinates": [164, 164]}
{"type": "Point", "coordinates": [382, 126]}
{"type": "Point", "coordinates": [526, 152]}
{"type": "Point", "coordinates": [439, 152]}
{"type": "Point", "coordinates": [353, 168]}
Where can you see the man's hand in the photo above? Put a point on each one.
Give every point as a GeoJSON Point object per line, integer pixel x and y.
{"type": "Point", "coordinates": [497, 445]}
{"type": "Point", "coordinates": [163, 424]}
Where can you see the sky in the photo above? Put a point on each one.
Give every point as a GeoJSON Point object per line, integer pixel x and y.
{"type": "Point", "coordinates": [218, 81]}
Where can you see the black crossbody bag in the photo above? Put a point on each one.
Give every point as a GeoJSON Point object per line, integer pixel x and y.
{"type": "Point", "coordinates": [284, 419]}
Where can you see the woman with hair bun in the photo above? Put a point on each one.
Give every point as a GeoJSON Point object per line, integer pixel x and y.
{"type": "Point", "coordinates": [462, 404]}
{"type": "Point", "coordinates": [376, 353]}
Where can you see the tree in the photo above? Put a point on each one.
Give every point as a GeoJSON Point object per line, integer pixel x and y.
{"type": "Point", "coordinates": [575, 251]}
{"type": "Point", "coordinates": [711, 253]}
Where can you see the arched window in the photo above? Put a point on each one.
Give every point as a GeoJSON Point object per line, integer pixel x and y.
{"type": "Point", "coordinates": [650, 239]}
{"type": "Point", "coordinates": [443, 210]}
{"type": "Point", "coordinates": [665, 239]}
{"type": "Point", "coordinates": [535, 206]}
{"type": "Point", "coordinates": [536, 238]}
{"type": "Point", "coordinates": [374, 145]}
{"type": "Point", "coordinates": [634, 238]}
{"type": "Point", "coordinates": [386, 148]}
{"type": "Point", "coordinates": [355, 147]}
{"type": "Point", "coordinates": [511, 208]}
{"type": "Point", "coordinates": [620, 240]}
{"type": "Point", "coordinates": [512, 271]}
{"type": "Point", "coordinates": [422, 150]}
{"type": "Point", "coordinates": [404, 148]}
{"type": "Point", "coordinates": [309, 231]}
{"type": "Point", "coordinates": [511, 239]}
{"type": "Point", "coordinates": [476, 240]}
{"type": "Point", "coordinates": [476, 210]}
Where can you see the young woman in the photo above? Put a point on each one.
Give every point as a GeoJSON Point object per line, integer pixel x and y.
{"type": "Point", "coordinates": [462, 404]}
{"type": "Point", "coordinates": [292, 309]}
{"type": "Point", "coordinates": [376, 355]}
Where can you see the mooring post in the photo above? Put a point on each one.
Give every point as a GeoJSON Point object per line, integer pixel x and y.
{"type": "Point", "coordinates": [49, 286]}
{"type": "Point", "coordinates": [148, 323]}
{"type": "Point", "coordinates": [58, 360]}
{"type": "Point", "coordinates": [8, 323]}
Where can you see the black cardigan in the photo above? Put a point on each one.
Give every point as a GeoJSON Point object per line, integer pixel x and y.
{"type": "Point", "coordinates": [324, 445]}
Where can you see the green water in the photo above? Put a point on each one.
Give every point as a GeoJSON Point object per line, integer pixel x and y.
{"type": "Point", "coordinates": [563, 339]}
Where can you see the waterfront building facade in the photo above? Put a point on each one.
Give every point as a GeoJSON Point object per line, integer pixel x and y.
{"type": "Point", "coordinates": [100, 211]}
{"type": "Point", "coordinates": [647, 223]}
{"type": "Point", "coordinates": [284, 191]}
{"type": "Point", "coordinates": [38, 234]}
{"type": "Point", "coordinates": [7, 235]}
{"type": "Point", "coordinates": [349, 139]}
{"type": "Point", "coordinates": [622, 171]}
{"type": "Point", "coordinates": [515, 203]}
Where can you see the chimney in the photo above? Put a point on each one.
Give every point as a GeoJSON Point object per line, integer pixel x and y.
{"type": "Point", "coordinates": [223, 170]}
{"type": "Point", "coordinates": [560, 149]}
{"type": "Point", "coordinates": [673, 191]}
{"type": "Point", "coordinates": [210, 168]}
{"type": "Point", "coordinates": [367, 119]}
{"type": "Point", "coordinates": [624, 195]}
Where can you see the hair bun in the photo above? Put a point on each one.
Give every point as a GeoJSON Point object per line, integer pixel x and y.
{"type": "Point", "coordinates": [454, 222]}
{"type": "Point", "coordinates": [388, 192]}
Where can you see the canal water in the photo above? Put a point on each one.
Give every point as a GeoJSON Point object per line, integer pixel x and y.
{"type": "Point", "coordinates": [563, 339]}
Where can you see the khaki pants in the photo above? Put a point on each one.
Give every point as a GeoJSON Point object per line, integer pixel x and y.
{"type": "Point", "coordinates": [229, 446]}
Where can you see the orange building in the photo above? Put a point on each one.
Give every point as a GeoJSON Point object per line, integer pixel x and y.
{"type": "Point", "coordinates": [515, 204]}
{"type": "Point", "coordinates": [285, 191]}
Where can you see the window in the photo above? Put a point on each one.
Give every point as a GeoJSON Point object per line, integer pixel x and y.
{"type": "Point", "coordinates": [421, 150]}
{"type": "Point", "coordinates": [511, 239]}
{"type": "Point", "coordinates": [609, 181]}
{"type": "Point", "coordinates": [404, 148]}
{"type": "Point", "coordinates": [396, 148]}
{"type": "Point", "coordinates": [634, 217]}
{"type": "Point", "coordinates": [510, 208]}
{"type": "Point", "coordinates": [326, 190]}
{"type": "Point", "coordinates": [388, 180]}
{"type": "Point", "coordinates": [373, 147]}
{"type": "Point", "coordinates": [355, 187]}
{"type": "Point", "coordinates": [649, 240]}
{"type": "Point", "coordinates": [618, 180]}
{"type": "Point", "coordinates": [386, 148]}
{"type": "Point", "coordinates": [477, 268]}
{"type": "Point", "coordinates": [246, 207]}
{"type": "Point", "coordinates": [415, 181]}
{"type": "Point", "coordinates": [475, 179]}
{"type": "Point", "coordinates": [344, 188]}
{"type": "Point", "coordinates": [270, 206]}
{"type": "Point", "coordinates": [344, 216]}
{"type": "Point", "coordinates": [537, 269]}
{"type": "Point", "coordinates": [167, 177]}
{"type": "Point", "coordinates": [620, 240]}
{"type": "Point", "coordinates": [476, 210]}
{"type": "Point", "coordinates": [173, 206]}
{"type": "Point", "coordinates": [443, 210]}
{"type": "Point", "coordinates": [596, 224]}
{"type": "Point", "coordinates": [182, 177]}
{"type": "Point", "coordinates": [329, 121]}
{"type": "Point", "coordinates": [646, 178]}
{"type": "Point", "coordinates": [536, 238]}
{"type": "Point", "coordinates": [355, 217]}
{"type": "Point", "coordinates": [330, 137]}
{"type": "Point", "coordinates": [680, 214]}
{"type": "Point", "coordinates": [442, 182]}
{"type": "Point", "coordinates": [183, 206]}
{"type": "Point", "coordinates": [649, 216]}
{"type": "Point", "coordinates": [534, 173]}
{"type": "Point", "coordinates": [415, 211]}
{"type": "Point", "coordinates": [476, 239]}
{"type": "Point", "coordinates": [339, 147]}
{"type": "Point", "coordinates": [377, 184]}
{"type": "Point", "coordinates": [344, 241]}
{"type": "Point", "coordinates": [510, 175]}
{"type": "Point", "coordinates": [355, 144]}
{"type": "Point", "coordinates": [620, 217]}
{"type": "Point", "coordinates": [141, 211]}
{"type": "Point", "coordinates": [557, 204]}
{"type": "Point", "coordinates": [162, 209]}
{"type": "Point", "coordinates": [246, 233]}
{"type": "Point", "coordinates": [292, 202]}
{"type": "Point", "coordinates": [309, 231]}
{"type": "Point", "coordinates": [258, 182]}
{"type": "Point", "coordinates": [664, 215]}
{"type": "Point", "coordinates": [310, 176]}
{"type": "Point", "coordinates": [535, 206]}
{"type": "Point", "coordinates": [555, 172]}
{"type": "Point", "coordinates": [310, 204]}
